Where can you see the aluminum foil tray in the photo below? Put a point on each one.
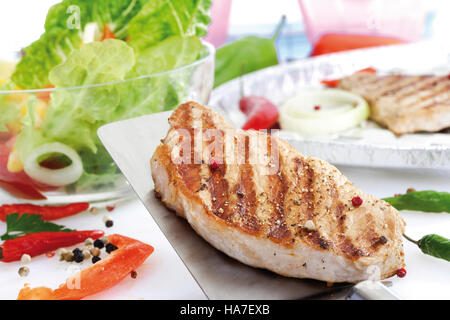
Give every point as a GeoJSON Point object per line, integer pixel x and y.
{"type": "Point", "coordinates": [367, 145]}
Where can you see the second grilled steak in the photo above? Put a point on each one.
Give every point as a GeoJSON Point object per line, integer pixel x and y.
{"type": "Point", "coordinates": [404, 104]}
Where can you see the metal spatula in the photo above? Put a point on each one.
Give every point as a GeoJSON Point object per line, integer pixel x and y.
{"type": "Point", "coordinates": [131, 144]}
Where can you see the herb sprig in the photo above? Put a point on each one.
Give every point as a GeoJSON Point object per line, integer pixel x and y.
{"type": "Point", "coordinates": [19, 225]}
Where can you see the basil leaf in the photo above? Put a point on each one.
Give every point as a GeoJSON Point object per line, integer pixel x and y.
{"type": "Point", "coordinates": [244, 56]}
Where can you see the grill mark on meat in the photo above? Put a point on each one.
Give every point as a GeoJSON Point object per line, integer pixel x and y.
{"type": "Point", "coordinates": [349, 249]}
{"type": "Point", "coordinates": [435, 93]}
{"type": "Point", "coordinates": [409, 84]}
{"type": "Point", "coordinates": [437, 103]}
{"type": "Point", "coordinates": [278, 229]}
{"type": "Point", "coordinates": [344, 243]}
{"type": "Point", "coordinates": [314, 238]}
{"type": "Point", "coordinates": [189, 172]}
{"type": "Point", "coordinates": [307, 182]}
{"type": "Point", "coordinates": [246, 195]}
{"type": "Point", "coordinates": [426, 83]}
{"type": "Point", "coordinates": [218, 184]}
{"type": "Point", "coordinates": [381, 83]}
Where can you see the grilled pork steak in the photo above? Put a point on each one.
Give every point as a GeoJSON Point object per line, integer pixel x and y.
{"type": "Point", "coordinates": [288, 213]}
{"type": "Point", "coordinates": [404, 104]}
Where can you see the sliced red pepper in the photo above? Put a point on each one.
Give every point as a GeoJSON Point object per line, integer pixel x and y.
{"type": "Point", "coordinates": [333, 83]}
{"type": "Point", "coordinates": [35, 244]}
{"type": "Point", "coordinates": [261, 112]}
{"type": "Point", "coordinates": [104, 274]}
{"type": "Point", "coordinates": [45, 96]}
{"type": "Point", "coordinates": [47, 213]}
{"type": "Point", "coordinates": [334, 42]}
{"type": "Point", "coordinates": [107, 33]}
{"type": "Point", "coordinates": [330, 83]}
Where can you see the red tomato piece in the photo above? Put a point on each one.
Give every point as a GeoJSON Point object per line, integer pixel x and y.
{"type": "Point", "coordinates": [261, 112]}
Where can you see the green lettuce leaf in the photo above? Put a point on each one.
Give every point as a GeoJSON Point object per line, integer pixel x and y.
{"type": "Point", "coordinates": [75, 115]}
{"type": "Point", "coordinates": [160, 19]}
{"type": "Point", "coordinates": [155, 94]}
{"type": "Point", "coordinates": [29, 137]}
{"type": "Point", "coordinates": [42, 55]}
{"type": "Point", "coordinates": [117, 14]}
{"type": "Point", "coordinates": [61, 36]}
{"type": "Point", "coordinates": [9, 108]}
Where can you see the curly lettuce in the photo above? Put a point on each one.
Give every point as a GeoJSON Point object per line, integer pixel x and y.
{"type": "Point", "coordinates": [161, 19]}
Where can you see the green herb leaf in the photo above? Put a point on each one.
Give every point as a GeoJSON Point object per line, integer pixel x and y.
{"type": "Point", "coordinates": [243, 56]}
{"type": "Point", "coordinates": [19, 225]}
{"type": "Point", "coordinates": [426, 201]}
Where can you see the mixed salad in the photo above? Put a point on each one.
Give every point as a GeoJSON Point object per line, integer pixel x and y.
{"type": "Point", "coordinates": [49, 138]}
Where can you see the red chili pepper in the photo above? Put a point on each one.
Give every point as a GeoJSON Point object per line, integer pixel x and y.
{"type": "Point", "coordinates": [48, 212]}
{"type": "Point", "coordinates": [39, 243]}
{"type": "Point", "coordinates": [107, 33]}
{"type": "Point", "coordinates": [102, 275]}
{"type": "Point", "coordinates": [261, 112]}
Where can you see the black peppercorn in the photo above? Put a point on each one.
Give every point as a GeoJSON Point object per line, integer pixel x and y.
{"type": "Point", "coordinates": [110, 248]}
{"type": "Point", "coordinates": [78, 256]}
{"type": "Point", "coordinates": [109, 223]}
{"type": "Point", "coordinates": [99, 244]}
{"type": "Point", "coordinates": [96, 259]}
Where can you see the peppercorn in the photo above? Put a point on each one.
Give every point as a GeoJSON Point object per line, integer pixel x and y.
{"type": "Point", "coordinates": [26, 258]}
{"type": "Point", "coordinates": [133, 274]}
{"type": "Point", "coordinates": [95, 252]}
{"type": "Point", "coordinates": [86, 254]}
{"type": "Point", "coordinates": [409, 190]}
{"type": "Point", "coordinates": [68, 257]}
{"type": "Point", "coordinates": [76, 251]}
{"type": "Point", "coordinates": [109, 223]}
{"type": "Point", "coordinates": [78, 257]}
{"type": "Point", "coordinates": [88, 242]}
{"type": "Point", "coordinates": [357, 201]}
{"type": "Point", "coordinates": [24, 271]}
{"type": "Point", "coordinates": [99, 244]}
{"type": "Point", "coordinates": [214, 165]}
{"type": "Point", "coordinates": [401, 272]}
{"type": "Point", "coordinates": [110, 248]}
{"type": "Point", "coordinates": [96, 259]}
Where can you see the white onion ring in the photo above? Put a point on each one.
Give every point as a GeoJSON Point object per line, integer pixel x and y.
{"type": "Point", "coordinates": [295, 116]}
{"type": "Point", "coordinates": [54, 177]}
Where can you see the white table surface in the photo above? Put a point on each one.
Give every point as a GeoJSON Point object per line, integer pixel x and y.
{"type": "Point", "coordinates": [163, 275]}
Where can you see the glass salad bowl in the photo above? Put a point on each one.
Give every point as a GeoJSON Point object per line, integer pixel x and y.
{"type": "Point", "coordinates": [49, 149]}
